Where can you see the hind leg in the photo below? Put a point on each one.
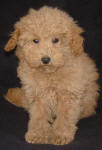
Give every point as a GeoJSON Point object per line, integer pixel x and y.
{"type": "Point", "coordinates": [89, 103]}
{"type": "Point", "coordinates": [14, 96]}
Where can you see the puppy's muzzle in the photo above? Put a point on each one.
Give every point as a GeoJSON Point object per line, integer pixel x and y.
{"type": "Point", "coordinates": [46, 60]}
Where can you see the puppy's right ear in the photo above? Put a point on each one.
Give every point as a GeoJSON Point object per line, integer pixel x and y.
{"type": "Point", "coordinates": [11, 44]}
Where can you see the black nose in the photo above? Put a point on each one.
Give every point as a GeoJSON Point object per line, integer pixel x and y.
{"type": "Point", "coordinates": [45, 60]}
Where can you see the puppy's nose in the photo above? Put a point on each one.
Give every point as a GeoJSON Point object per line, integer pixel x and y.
{"type": "Point", "coordinates": [45, 60]}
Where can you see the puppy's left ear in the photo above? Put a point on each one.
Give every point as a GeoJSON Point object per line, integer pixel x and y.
{"type": "Point", "coordinates": [11, 44]}
{"type": "Point", "coordinates": [77, 40]}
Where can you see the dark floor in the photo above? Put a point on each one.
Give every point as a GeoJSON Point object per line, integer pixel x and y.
{"type": "Point", "coordinates": [13, 121]}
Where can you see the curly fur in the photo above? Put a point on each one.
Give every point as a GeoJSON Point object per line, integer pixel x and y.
{"type": "Point", "coordinates": [59, 94]}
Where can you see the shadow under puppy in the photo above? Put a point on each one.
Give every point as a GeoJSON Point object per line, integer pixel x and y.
{"type": "Point", "coordinates": [58, 78]}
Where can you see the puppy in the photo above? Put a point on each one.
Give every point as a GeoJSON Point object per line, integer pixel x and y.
{"type": "Point", "coordinates": [58, 78]}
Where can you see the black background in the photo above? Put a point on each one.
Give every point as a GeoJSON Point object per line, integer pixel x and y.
{"type": "Point", "coordinates": [13, 120]}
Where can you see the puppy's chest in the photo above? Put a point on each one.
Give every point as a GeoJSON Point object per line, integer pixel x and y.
{"type": "Point", "coordinates": [48, 82]}
{"type": "Point", "coordinates": [42, 84]}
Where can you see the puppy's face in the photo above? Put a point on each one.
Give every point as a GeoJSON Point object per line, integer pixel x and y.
{"type": "Point", "coordinates": [46, 39]}
{"type": "Point", "coordinates": [44, 51]}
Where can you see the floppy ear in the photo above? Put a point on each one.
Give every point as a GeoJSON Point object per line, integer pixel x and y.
{"type": "Point", "coordinates": [32, 11]}
{"type": "Point", "coordinates": [77, 40]}
{"type": "Point", "coordinates": [11, 44]}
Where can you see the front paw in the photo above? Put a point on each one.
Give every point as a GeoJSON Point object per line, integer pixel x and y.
{"type": "Point", "coordinates": [61, 136]}
{"type": "Point", "coordinates": [60, 139]}
{"type": "Point", "coordinates": [36, 138]}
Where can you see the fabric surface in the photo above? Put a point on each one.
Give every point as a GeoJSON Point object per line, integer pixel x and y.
{"type": "Point", "coordinates": [13, 120]}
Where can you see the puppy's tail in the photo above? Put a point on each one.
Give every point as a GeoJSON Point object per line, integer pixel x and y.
{"type": "Point", "coordinates": [14, 96]}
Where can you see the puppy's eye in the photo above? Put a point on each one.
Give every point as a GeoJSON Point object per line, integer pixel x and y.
{"type": "Point", "coordinates": [36, 41]}
{"type": "Point", "coordinates": [55, 40]}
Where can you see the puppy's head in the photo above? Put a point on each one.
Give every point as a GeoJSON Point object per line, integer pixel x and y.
{"type": "Point", "coordinates": [46, 39]}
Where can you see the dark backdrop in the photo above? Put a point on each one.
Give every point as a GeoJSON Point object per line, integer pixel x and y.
{"type": "Point", "coordinates": [13, 120]}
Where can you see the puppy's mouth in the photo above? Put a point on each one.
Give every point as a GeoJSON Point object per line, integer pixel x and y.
{"type": "Point", "coordinates": [48, 68]}
{"type": "Point", "coordinates": [46, 65]}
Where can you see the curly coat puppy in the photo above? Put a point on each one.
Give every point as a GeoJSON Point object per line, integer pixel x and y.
{"type": "Point", "coordinates": [58, 78]}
